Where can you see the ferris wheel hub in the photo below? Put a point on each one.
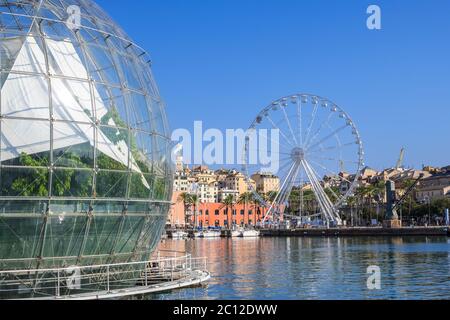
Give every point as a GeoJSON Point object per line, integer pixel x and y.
{"type": "Point", "coordinates": [298, 154]}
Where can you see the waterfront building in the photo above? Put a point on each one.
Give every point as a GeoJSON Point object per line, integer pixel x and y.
{"type": "Point", "coordinates": [224, 193]}
{"type": "Point", "coordinates": [85, 175]}
{"type": "Point", "coordinates": [266, 182]}
{"type": "Point", "coordinates": [177, 215]}
{"type": "Point", "coordinates": [181, 182]}
{"type": "Point", "coordinates": [208, 192]}
{"type": "Point", "coordinates": [236, 181]}
{"type": "Point", "coordinates": [218, 215]}
{"type": "Point", "coordinates": [435, 187]}
{"type": "Point", "coordinates": [367, 176]}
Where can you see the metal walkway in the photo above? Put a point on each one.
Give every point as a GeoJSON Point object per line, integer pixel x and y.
{"type": "Point", "coordinates": [112, 281]}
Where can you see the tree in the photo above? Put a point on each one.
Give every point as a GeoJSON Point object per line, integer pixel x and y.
{"type": "Point", "coordinates": [228, 203]}
{"type": "Point", "coordinates": [351, 202]}
{"type": "Point", "coordinates": [194, 200]}
{"type": "Point", "coordinates": [244, 199]}
{"type": "Point", "coordinates": [187, 200]}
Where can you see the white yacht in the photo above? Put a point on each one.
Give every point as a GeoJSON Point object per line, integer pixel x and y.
{"type": "Point", "coordinates": [178, 235]}
{"type": "Point", "coordinates": [245, 233]}
{"type": "Point", "coordinates": [249, 234]}
{"type": "Point", "coordinates": [211, 234]}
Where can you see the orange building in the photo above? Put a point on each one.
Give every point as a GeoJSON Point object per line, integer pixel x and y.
{"type": "Point", "coordinates": [177, 217]}
{"type": "Point", "coordinates": [217, 215]}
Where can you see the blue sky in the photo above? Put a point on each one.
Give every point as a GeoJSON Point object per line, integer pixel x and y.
{"type": "Point", "coordinates": [222, 61]}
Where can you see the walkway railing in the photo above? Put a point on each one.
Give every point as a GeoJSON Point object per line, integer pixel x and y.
{"type": "Point", "coordinates": [101, 279]}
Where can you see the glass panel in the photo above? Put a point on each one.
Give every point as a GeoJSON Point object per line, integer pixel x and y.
{"type": "Point", "coordinates": [156, 115]}
{"type": "Point", "coordinates": [10, 48]}
{"type": "Point", "coordinates": [111, 184]}
{"type": "Point", "coordinates": [130, 77]}
{"type": "Point", "coordinates": [25, 142]}
{"type": "Point", "coordinates": [72, 183]}
{"type": "Point", "coordinates": [131, 230]}
{"type": "Point", "coordinates": [73, 145]}
{"type": "Point", "coordinates": [142, 151]}
{"type": "Point", "coordinates": [30, 58]}
{"type": "Point", "coordinates": [101, 65]}
{"type": "Point", "coordinates": [141, 186]}
{"type": "Point", "coordinates": [24, 182]}
{"type": "Point", "coordinates": [110, 105]}
{"type": "Point", "coordinates": [113, 148]}
{"type": "Point", "coordinates": [160, 188]}
{"type": "Point", "coordinates": [18, 237]}
{"type": "Point", "coordinates": [66, 59]}
{"type": "Point", "coordinates": [139, 116]}
{"type": "Point", "coordinates": [65, 233]}
{"type": "Point", "coordinates": [25, 96]}
{"type": "Point", "coordinates": [72, 101]}
{"type": "Point", "coordinates": [102, 233]}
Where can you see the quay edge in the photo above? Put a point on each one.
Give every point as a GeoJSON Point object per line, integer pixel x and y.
{"type": "Point", "coordinates": [359, 232]}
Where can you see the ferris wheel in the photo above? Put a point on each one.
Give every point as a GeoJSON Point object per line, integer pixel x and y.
{"type": "Point", "coordinates": [317, 153]}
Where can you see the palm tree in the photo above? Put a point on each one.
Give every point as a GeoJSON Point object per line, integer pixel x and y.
{"type": "Point", "coordinates": [186, 198]}
{"type": "Point", "coordinates": [351, 201]}
{"type": "Point", "coordinates": [228, 203]}
{"type": "Point", "coordinates": [244, 199]}
{"type": "Point", "coordinates": [194, 201]}
{"type": "Point", "coordinates": [258, 203]}
{"type": "Point", "coordinates": [360, 194]}
{"type": "Point", "coordinates": [380, 194]}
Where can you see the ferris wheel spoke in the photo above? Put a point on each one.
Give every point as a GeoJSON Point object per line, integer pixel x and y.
{"type": "Point", "coordinates": [262, 135]}
{"type": "Point", "coordinates": [329, 171]}
{"type": "Point", "coordinates": [332, 148]}
{"type": "Point", "coordinates": [332, 191]}
{"type": "Point", "coordinates": [319, 193]}
{"type": "Point", "coordinates": [331, 135]}
{"type": "Point", "coordinates": [289, 125]}
{"type": "Point", "coordinates": [311, 123]}
{"type": "Point", "coordinates": [281, 131]}
{"type": "Point", "coordinates": [284, 167]}
{"type": "Point", "coordinates": [334, 159]}
{"type": "Point", "coordinates": [322, 125]}
{"type": "Point", "coordinates": [327, 205]}
{"type": "Point", "coordinates": [282, 190]}
{"type": "Point", "coordinates": [300, 121]}
{"type": "Point", "coordinates": [302, 183]}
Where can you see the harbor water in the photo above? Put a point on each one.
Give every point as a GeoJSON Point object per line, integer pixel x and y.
{"type": "Point", "coordinates": [318, 268]}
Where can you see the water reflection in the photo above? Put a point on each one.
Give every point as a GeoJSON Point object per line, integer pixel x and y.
{"type": "Point", "coordinates": [319, 268]}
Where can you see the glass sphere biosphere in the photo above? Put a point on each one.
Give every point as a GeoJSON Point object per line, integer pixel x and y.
{"type": "Point", "coordinates": [85, 174]}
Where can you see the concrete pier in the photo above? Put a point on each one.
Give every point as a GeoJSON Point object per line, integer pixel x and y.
{"type": "Point", "coordinates": [359, 232]}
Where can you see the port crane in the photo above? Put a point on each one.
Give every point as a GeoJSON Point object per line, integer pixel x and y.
{"type": "Point", "coordinates": [392, 203]}
{"type": "Point", "coordinates": [400, 160]}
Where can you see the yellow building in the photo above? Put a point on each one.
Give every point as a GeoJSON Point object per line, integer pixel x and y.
{"type": "Point", "coordinates": [266, 182]}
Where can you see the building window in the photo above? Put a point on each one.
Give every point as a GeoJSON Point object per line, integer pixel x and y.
{"type": "Point", "coordinates": [225, 212]}
{"type": "Point", "coordinates": [234, 212]}
{"type": "Point", "coordinates": [216, 212]}
{"type": "Point", "coordinates": [201, 212]}
{"type": "Point", "coordinates": [242, 212]}
{"type": "Point", "coordinates": [250, 212]}
{"type": "Point", "coordinates": [207, 213]}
